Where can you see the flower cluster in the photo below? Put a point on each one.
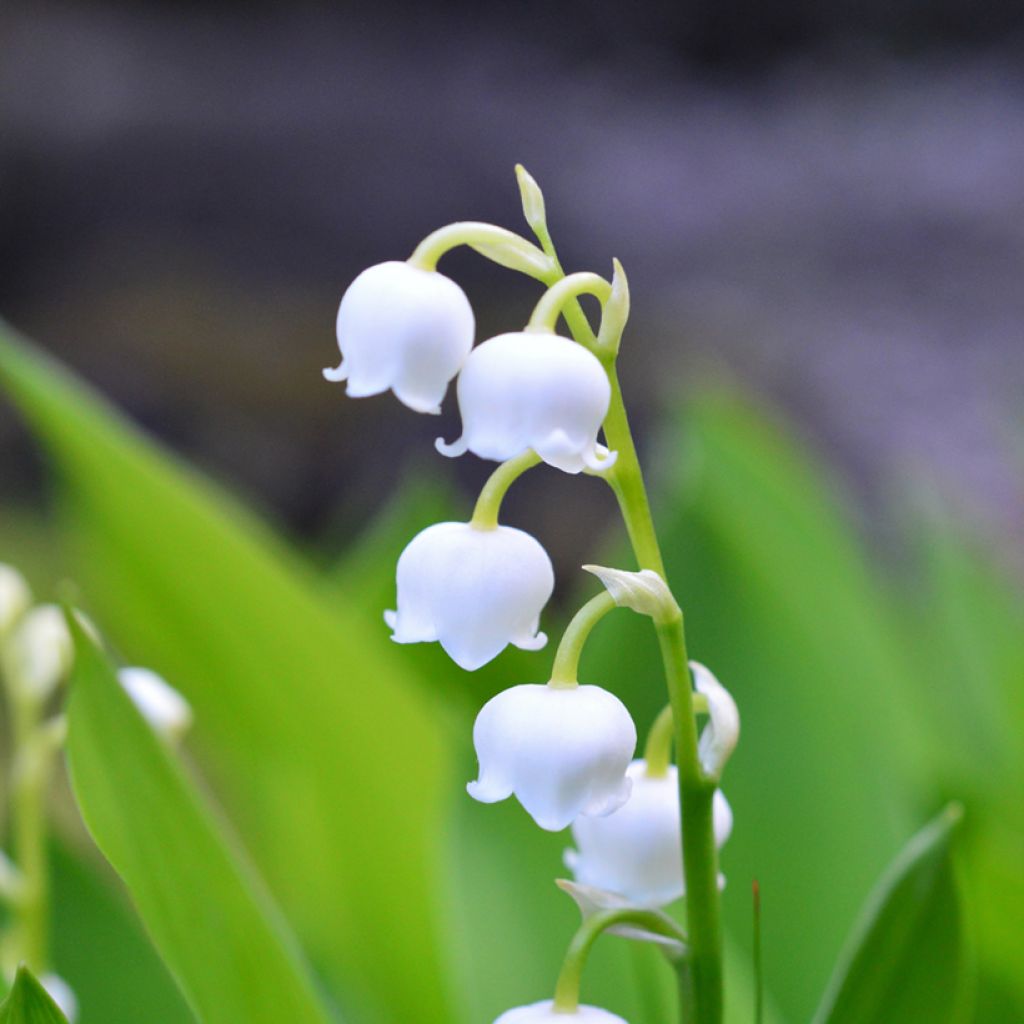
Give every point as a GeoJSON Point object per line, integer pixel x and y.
{"type": "Point", "coordinates": [564, 750]}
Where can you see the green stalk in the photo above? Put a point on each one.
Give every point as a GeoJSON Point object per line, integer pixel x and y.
{"type": "Point", "coordinates": [701, 990]}
{"type": "Point", "coordinates": [488, 505]}
{"type": "Point", "coordinates": [567, 990]}
{"type": "Point", "coordinates": [30, 771]}
{"type": "Point", "coordinates": [567, 657]}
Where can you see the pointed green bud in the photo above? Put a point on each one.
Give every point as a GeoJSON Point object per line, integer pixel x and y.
{"type": "Point", "coordinates": [645, 591]}
{"type": "Point", "coordinates": [533, 201]}
{"type": "Point", "coordinates": [615, 313]}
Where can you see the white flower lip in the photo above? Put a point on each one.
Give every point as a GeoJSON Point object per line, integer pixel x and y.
{"type": "Point", "coordinates": [637, 851]}
{"type": "Point", "coordinates": [473, 590]}
{"type": "Point", "coordinates": [533, 389]}
{"type": "Point", "coordinates": [562, 751]}
{"type": "Point", "coordinates": [403, 328]}
{"type": "Point", "coordinates": [160, 704]}
{"type": "Point", "coordinates": [544, 1013]}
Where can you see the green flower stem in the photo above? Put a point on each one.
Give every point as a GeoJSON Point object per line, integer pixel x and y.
{"type": "Point", "coordinates": [496, 242]}
{"type": "Point", "coordinates": [658, 748]}
{"type": "Point", "coordinates": [567, 657]}
{"type": "Point", "coordinates": [488, 505]}
{"type": "Point", "coordinates": [567, 990]}
{"type": "Point", "coordinates": [700, 855]}
{"type": "Point", "coordinates": [701, 989]}
{"type": "Point", "coordinates": [546, 312]}
{"type": "Point", "coordinates": [32, 761]}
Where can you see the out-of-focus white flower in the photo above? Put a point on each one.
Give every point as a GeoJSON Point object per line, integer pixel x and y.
{"type": "Point", "coordinates": [637, 851]}
{"type": "Point", "coordinates": [545, 1013]}
{"type": "Point", "coordinates": [563, 751]}
{"type": "Point", "coordinates": [533, 390]}
{"type": "Point", "coordinates": [160, 704]}
{"type": "Point", "coordinates": [473, 590]}
{"type": "Point", "coordinates": [403, 328]}
{"type": "Point", "coordinates": [720, 736]}
{"type": "Point", "coordinates": [15, 597]}
{"type": "Point", "coordinates": [39, 651]}
{"type": "Point", "coordinates": [61, 993]}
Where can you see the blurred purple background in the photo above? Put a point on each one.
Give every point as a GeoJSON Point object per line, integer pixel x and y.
{"type": "Point", "coordinates": [823, 201]}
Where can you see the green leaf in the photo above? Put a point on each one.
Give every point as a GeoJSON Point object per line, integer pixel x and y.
{"type": "Point", "coordinates": [207, 912]}
{"type": "Point", "coordinates": [327, 754]}
{"type": "Point", "coordinates": [906, 960]}
{"type": "Point", "coordinates": [29, 1003]}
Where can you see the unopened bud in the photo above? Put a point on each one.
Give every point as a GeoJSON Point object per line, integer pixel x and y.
{"type": "Point", "coordinates": [645, 591]}
{"type": "Point", "coordinates": [15, 598]}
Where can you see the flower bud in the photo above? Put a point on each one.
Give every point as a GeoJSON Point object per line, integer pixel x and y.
{"type": "Point", "coordinates": [545, 1013]}
{"type": "Point", "coordinates": [473, 590]}
{"type": "Point", "coordinates": [160, 704]}
{"type": "Point", "coordinates": [39, 651]}
{"type": "Point", "coordinates": [15, 597]}
{"type": "Point", "coordinates": [533, 390]}
{"type": "Point", "coordinates": [563, 751]}
{"type": "Point", "coordinates": [403, 328]}
{"type": "Point", "coordinates": [61, 993]}
{"type": "Point", "coordinates": [637, 851]}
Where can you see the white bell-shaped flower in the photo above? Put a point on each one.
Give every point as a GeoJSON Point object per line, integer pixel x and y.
{"type": "Point", "coordinates": [403, 328]}
{"type": "Point", "coordinates": [637, 851]}
{"type": "Point", "coordinates": [62, 994]}
{"type": "Point", "coordinates": [719, 737]}
{"type": "Point", "coordinates": [160, 704]}
{"type": "Point", "coordinates": [473, 590]}
{"type": "Point", "coordinates": [15, 597]}
{"type": "Point", "coordinates": [533, 390]}
{"type": "Point", "coordinates": [39, 651]}
{"type": "Point", "coordinates": [545, 1013]}
{"type": "Point", "coordinates": [563, 751]}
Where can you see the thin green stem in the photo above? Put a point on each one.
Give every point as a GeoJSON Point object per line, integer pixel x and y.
{"type": "Point", "coordinates": [658, 749]}
{"type": "Point", "coordinates": [567, 989]}
{"type": "Point", "coordinates": [497, 243]}
{"type": "Point", "coordinates": [567, 657]}
{"type": "Point", "coordinates": [32, 759]}
{"type": "Point", "coordinates": [702, 997]}
{"type": "Point", "coordinates": [488, 505]}
{"type": "Point", "coordinates": [700, 855]}
{"type": "Point", "coordinates": [546, 312]}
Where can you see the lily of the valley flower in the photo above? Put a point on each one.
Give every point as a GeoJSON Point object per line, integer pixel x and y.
{"type": "Point", "coordinates": [562, 751]}
{"type": "Point", "coordinates": [403, 328]}
{"type": "Point", "coordinates": [160, 704]}
{"type": "Point", "coordinates": [533, 390]}
{"type": "Point", "coordinates": [473, 590]}
{"type": "Point", "coordinates": [15, 597]}
{"type": "Point", "coordinates": [39, 651]}
{"type": "Point", "coordinates": [62, 994]}
{"type": "Point", "coordinates": [637, 851]}
{"type": "Point", "coordinates": [545, 1013]}
{"type": "Point", "coordinates": [719, 738]}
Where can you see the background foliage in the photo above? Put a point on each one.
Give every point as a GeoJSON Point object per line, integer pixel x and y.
{"type": "Point", "coordinates": [869, 699]}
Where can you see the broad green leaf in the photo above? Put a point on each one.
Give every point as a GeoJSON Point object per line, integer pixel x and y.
{"type": "Point", "coordinates": [906, 960]}
{"type": "Point", "coordinates": [29, 1003]}
{"type": "Point", "coordinates": [205, 909]}
{"type": "Point", "coordinates": [780, 603]}
{"type": "Point", "coordinates": [100, 948]}
{"type": "Point", "coordinates": [329, 759]}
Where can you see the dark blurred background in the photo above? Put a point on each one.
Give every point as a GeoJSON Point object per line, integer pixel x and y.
{"type": "Point", "coordinates": [825, 201]}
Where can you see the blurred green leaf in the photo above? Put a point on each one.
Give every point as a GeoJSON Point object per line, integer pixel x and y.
{"type": "Point", "coordinates": [100, 948]}
{"type": "Point", "coordinates": [332, 763]}
{"type": "Point", "coordinates": [207, 912]}
{"type": "Point", "coordinates": [906, 960]}
{"type": "Point", "coordinates": [29, 1003]}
